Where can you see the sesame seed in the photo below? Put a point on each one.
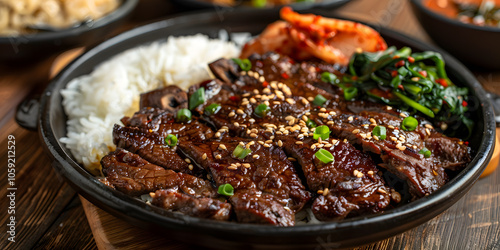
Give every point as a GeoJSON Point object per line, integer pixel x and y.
{"type": "Point", "coordinates": [279, 133]}
{"type": "Point", "coordinates": [267, 145]}
{"type": "Point", "coordinates": [460, 143]}
{"type": "Point", "coordinates": [321, 145]}
{"type": "Point", "coordinates": [256, 91]}
{"type": "Point", "coordinates": [444, 126]}
{"type": "Point", "coordinates": [345, 140]}
{"type": "Point", "coordinates": [222, 146]}
{"type": "Point", "coordinates": [414, 146]}
{"type": "Point", "coordinates": [299, 143]}
{"type": "Point", "coordinates": [401, 147]}
{"type": "Point", "coordinates": [236, 124]}
{"type": "Point", "coordinates": [218, 157]}
{"type": "Point", "coordinates": [285, 132]}
{"type": "Point", "coordinates": [325, 192]}
{"type": "Point", "coordinates": [403, 115]}
{"type": "Point", "coordinates": [308, 113]}
{"type": "Point", "coordinates": [252, 100]}
{"type": "Point", "coordinates": [375, 137]}
{"type": "Point", "coordinates": [370, 172]}
{"type": "Point", "coordinates": [251, 120]}
{"type": "Point", "coordinates": [330, 122]}
{"type": "Point", "coordinates": [190, 166]}
{"type": "Point", "coordinates": [271, 137]}
{"type": "Point", "coordinates": [246, 165]}
{"type": "Point", "coordinates": [415, 79]}
{"type": "Point", "coordinates": [280, 85]}
{"type": "Point", "coordinates": [274, 84]}
{"type": "Point", "coordinates": [238, 164]}
{"type": "Point", "coordinates": [434, 173]}
{"type": "Point", "coordinates": [322, 109]}
{"type": "Point", "coordinates": [355, 172]}
{"type": "Point", "coordinates": [243, 73]}
{"type": "Point", "coordinates": [380, 190]}
{"type": "Point", "coordinates": [217, 134]}
{"type": "Point", "coordinates": [332, 113]}
{"type": "Point", "coordinates": [232, 167]}
{"type": "Point", "coordinates": [393, 138]}
{"type": "Point", "coordinates": [187, 160]}
{"type": "Point", "coordinates": [209, 177]}
{"type": "Point", "coordinates": [300, 136]}
{"type": "Point", "coordinates": [305, 118]}
{"type": "Point", "coordinates": [373, 121]}
{"type": "Point", "coordinates": [355, 131]}
{"type": "Point", "coordinates": [334, 141]}
{"type": "Point", "coordinates": [360, 175]}
{"type": "Point", "coordinates": [269, 141]}
{"type": "Point", "coordinates": [276, 103]}
{"type": "Point", "coordinates": [256, 156]}
{"type": "Point", "coordinates": [304, 101]}
{"type": "Point", "coordinates": [429, 126]}
{"type": "Point", "coordinates": [262, 79]}
{"type": "Point", "coordinates": [328, 145]}
{"type": "Point", "coordinates": [246, 95]}
{"type": "Point", "coordinates": [310, 98]}
{"type": "Point", "coordinates": [390, 126]}
{"type": "Point", "coordinates": [290, 100]}
{"type": "Point", "coordinates": [260, 142]}
{"type": "Point", "coordinates": [428, 131]}
{"type": "Point", "coordinates": [320, 192]}
{"type": "Point", "coordinates": [253, 135]}
{"type": "Point", "coordinates": [204, 156]}
{"type": "Point", "coordinates": [250, 144]}
{"type": "Point", "coordinates": [313, 147]}
{"type": "Point", "coordinates": [388, 107]}
{"type": "Point", "coordinates": [292, 159]}
{"type": "Point", "coordinates": [244, 103]}
{"type": "Point", "coordinates": [280, 143]}
{"type": "Point", "coordinates": [350, 118]}
{"type": "Point", "coordinates": [240, 112]}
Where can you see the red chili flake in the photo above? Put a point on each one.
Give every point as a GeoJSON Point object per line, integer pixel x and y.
{"type": "Point", "coordinates": [285, 75]}
{"type": "Point", "coordinates": [466, 143]}
{"type": "Point", "coordinates": [442, 82]}
{"type": "Point", "coordinates": [464, 103]}
{"type": "Point", "coordinates": [290, 60]}
{"type": "Point", "coordinates": [411, 59]}
{"type": "Point", "coordinates": [395, 57]}
{"type": "Point", "coordinates": [149, 120]}
{"type": "Point", "coordinates": [400, 64]}
{"type": "Point", "coordinates": [394, 73]}
{"type": "Point", "coordinates": [265, 84]}
{"type": "Point", "coordinates": [234, 98]}
{"type": "Point", "coordinates": [318, 69]}
{"type": "Point", "coordinates": [401, 87]}
{"type": "Point", "coordinates": [423, 73]}
{"type": "Point", "coordinates": [354, 78]}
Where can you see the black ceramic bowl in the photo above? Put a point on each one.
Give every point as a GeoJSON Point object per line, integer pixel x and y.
{"type": "Point", "coordinates": [347, 233]}
{"type": "Point", "coordinates": [44, 43]}
{"type": "Point", "coordinates": [475, 45]}
{"type": "Point", "coordinates": [201, 4]}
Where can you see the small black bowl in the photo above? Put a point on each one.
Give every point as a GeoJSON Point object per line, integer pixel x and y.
{"type": "Point", "coordinates": [231, 235]}
{"type": "Point", "coordinates": [475, 45]}
{"type": "Point", "coordinates": [44, 43]}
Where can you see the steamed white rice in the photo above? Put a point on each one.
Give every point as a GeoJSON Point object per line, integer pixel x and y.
{"type": "Point", "coordinates": [95, 102]}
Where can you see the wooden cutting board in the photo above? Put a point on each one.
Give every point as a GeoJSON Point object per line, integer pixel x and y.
{"type": "Point", "coordinates": [113, 233]}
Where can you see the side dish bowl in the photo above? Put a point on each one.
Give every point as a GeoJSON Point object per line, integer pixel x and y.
{"type": "Point", "coordinates": [44, 43]}
{"type": "Point", "coordinates": [203, 4]}
{"type": "Point", "coordinates": [475, 45]}
{"type": "Point", "coordinates": [342, 234]}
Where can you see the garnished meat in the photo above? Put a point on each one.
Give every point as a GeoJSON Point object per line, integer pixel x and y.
{"type": "Point", "coordinates": [261, 132]}
{"type": "Point", "coordinates": [173, 200]}
{"type": "Point", "coordinates": [131, 174]}
{"type": "Point", "coordinates": [267, 187]}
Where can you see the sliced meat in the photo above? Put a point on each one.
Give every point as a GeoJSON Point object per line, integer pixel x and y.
{"type": "Point", "coordinates": [264, 176]}
{"type": "Point", "coordinates": [209, 208]}
{"type": "Point", "coordinates": [145, 133]}
{"type": "Point", "coordinates": [348, 186]}
{"type": "Point", "coordinates": [131, 174]}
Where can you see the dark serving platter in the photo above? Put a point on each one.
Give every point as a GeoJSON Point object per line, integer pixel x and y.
{"type": "Point", "coordinates": [201, 4]}
{"type": "Point", "coordinates": [347, 233]}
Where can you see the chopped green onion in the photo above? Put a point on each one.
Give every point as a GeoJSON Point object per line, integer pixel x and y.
{"type": "Point", "coordinates": [322, 132]}
{"type": "Point", "coordinates": [244, 64]}
{"type": "Point", "coordinates": [350, 93]}
{"type": "Point", "coordinates": [261, 110]}
{"type": "Point", "coordinates": [427, 153]}
{"type": "Point", "coordinates": [380, 132]}
{"type": "Point", "coordinates": [324, 156]}
{"type": "Point", "coordinates": [171, 140]}
{"type": "Point", "coordinates": [212, 109]}
{"type": "Point", "coordinates": [226, 189]}
{"type": "Point", "coordinates": [183, 115]}
{"type": "Point", "coordinates": [409, 124]}
{"type": "Point", "coordinates": [414, 104]}
{"type": "Point", "coordinates": [328, 77]}
{"type": "Point", "coordinates": [241, 152]}
{"type": "Point", "coordinates": [310, 123]}
{"type": "Point", "coordinates": [319, 100]}
{"type": "Point", "coordinates": [197, 98]}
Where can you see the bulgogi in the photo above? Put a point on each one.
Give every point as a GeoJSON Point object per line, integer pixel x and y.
{"type": "Point", "coordinates": [258, 131]}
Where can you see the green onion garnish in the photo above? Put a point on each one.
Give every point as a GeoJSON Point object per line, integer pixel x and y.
{"type": "Point", "coordinates": [197, 98]}
{"type": "Point", "coordinates": [322, 132]}
{"type": "Point", "coordinates": [427, 153]}
{"type": "Point", "coordinates": [171, 140]}
{"type": "Point", "coordinates": [244, 64]}
{"type": "Point", "coordinates": [212, 109]}
{"type": "Point", "coordinates": [261, 110]}
{"type": "Point", "coordinates": [328, 77]}
{"type": "Point", "coordinates": [241, 152]}
{"type": "Point", "coordinates": [226, 189]}
{"type": "Point", "coordinates": [183, 115]}
{"type": "Point", "coordinates": [380, 132]}
{"type": "Point", "coordinates": [324, 156]}
{"type": "Point", "coordinates": [319, 100]}
{"type": "Point", "coordinates": [409, 124]}
{"type": "Point", "coordinates": [311, 124]}
{"type": "Point", "coordinates": [350, 93]}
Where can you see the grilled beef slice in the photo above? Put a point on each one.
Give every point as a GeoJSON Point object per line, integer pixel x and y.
{"type": "Point", "coordinates": [145, 133]}
{"type": "Point", "coordinates": [131, 174]}
{"type": "Point", "coordinates": [267, 188]}
{"type": "Point", "coordinates": [173, 200]}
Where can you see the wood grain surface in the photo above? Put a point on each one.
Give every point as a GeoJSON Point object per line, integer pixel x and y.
{"type": "Point", "coordinates": [50, 215]}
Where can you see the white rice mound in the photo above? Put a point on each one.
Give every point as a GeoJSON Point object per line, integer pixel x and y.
{"type": "Point", "coordinates": [95, 102]}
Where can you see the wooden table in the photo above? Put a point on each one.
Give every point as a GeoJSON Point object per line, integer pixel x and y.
{"type": "Point", "coordinates": [50, 214]}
